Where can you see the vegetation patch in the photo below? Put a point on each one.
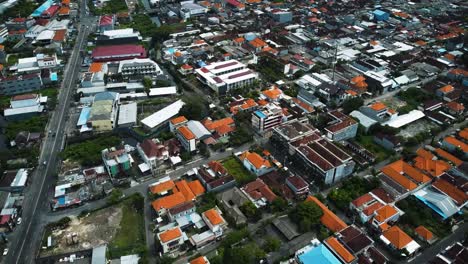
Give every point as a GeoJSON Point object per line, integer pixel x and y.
{"type": "Point", "coordinates": [34, 124]}
{"type": "Point", "coordinates": [237, 170]}
{"type": "Point", "coordinates": [351, 189]}
{"type": "Point", "coordinates": [88, 153]}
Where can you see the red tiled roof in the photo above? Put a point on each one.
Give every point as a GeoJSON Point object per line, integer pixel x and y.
{"type": "Point", "coordinates": [451, 190]}
{"type": "Point", "coordinates": [329, 219]}
{"type": "Point", "coordinates": [424, 233]}
{"type": "Point", "coordinates": [106, 20]}
{"type": "Point", "coordinates": [362, 200]}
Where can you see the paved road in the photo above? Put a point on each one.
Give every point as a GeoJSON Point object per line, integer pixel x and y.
{"type": "Point", "coordinates": [26, 238]}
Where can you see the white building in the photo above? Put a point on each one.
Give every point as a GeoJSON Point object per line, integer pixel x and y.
{"type": "Point", "coordinates": [35, 64]}
{"type": "Point", "coordinates": [171, 239]}
{"type": "Point", "coordinates": [267, 118]}
{"type": "Point", "coordinates": [226, 75]}
{"type": "Point", "coordinates": [139, 67]}
{"type": "Point", "coordinates": [162, 116]}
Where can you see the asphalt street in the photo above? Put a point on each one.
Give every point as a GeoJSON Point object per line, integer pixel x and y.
{"type": "Point", "coordinates": [25, 240]}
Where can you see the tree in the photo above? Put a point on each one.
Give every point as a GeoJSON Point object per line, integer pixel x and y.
{"type": "Point", "coordinates": [147, 83]}
{"type": "Point", "coordinates": [194, 108]}
{"type": "Point", "coordinates": [271, 244]}
{"type": "Point", "coordinates": [279, 204]}
{"type": "Point", "coordinates": [115, 196]}
{"type": "Point", "coordinates": [247, 254]}
{"type": "Point", "coordinates": [306, 215]}
{"type": "Point", "coordinates": [251, 211]}
{"type": "Point", "coordinates": [352, 104]}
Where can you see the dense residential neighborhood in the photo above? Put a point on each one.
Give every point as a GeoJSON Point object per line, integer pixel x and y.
{"type": "Point", "coordinates": [233, 131]}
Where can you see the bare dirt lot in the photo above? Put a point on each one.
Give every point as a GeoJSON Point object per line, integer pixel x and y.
{"type": "Point", "coordinates": [88, 232]}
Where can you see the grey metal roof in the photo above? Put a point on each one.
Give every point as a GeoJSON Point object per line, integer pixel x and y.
{"type": "Point", "coordinates": [198, 129]}
{"type": "Point", "coordinates": [441, 201]}
{"type": "Point", "coordinates": [99, 255]}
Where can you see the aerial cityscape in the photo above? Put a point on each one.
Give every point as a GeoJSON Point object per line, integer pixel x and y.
{"type": "Point", "coordinates": [233, 132]}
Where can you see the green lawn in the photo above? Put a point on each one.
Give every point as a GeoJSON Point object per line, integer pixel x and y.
{"type": "Point", "coordinates": [369, 144]}
{"type": "Point", "coordinates": [12, 59]}
{"type": "Point", "coordinates": [130, 238]}
{"type": "Point", "coordinates": [237, 170]}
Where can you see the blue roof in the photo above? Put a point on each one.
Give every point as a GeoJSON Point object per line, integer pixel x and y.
{"type": "Point", "coordinates": [260, 114]}
{"type": "Point", "coordinates": [320, 254]}
{"type": "Point", "coordinates": [379, 12]}
{"type": "Point", "coordinates": [201, 63]}
{"type": "Point", "coordinates": [84, 116]}
{"type": "Point", "coordinates": [42, 8]}
{"type": "Point", "coordinates": [61, 200]}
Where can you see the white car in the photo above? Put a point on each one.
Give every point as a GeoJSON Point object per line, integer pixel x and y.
{"type": "Point", "coordinates": [5, 251]}
{"type": "Point", "coordinates": [19, 221]}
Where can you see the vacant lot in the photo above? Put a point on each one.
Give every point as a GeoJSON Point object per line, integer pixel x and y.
{"type": "Point", "coordinates": [237, 170]}
{"type": "Point", "coordinates": [416, 127]}
{"type": "Point", "coordinates": [120, 226]}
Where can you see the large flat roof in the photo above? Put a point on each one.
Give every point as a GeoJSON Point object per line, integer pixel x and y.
{"type": "Point", "coordinates": [163, 115]}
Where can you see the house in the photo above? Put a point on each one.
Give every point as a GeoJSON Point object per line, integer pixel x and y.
{"type": "Point", "coordinates": [171, 239]}
{"type": "Point", "coordinates": [162, 187]}
{"type": "Point", "coordinates": [14, 181]}
{"type": "Point", "coordinates": [116, 161]}
{"type": "Point", "coordinates": [455, 108]}
{"type": "Point", "coordinates": [273, 94]}
{"type": "Point", "coordinates": [165, 203]}
{"type": "Point", "coordinates": [341, 127]}
{"type": "Point", "coordinates": [298, 185]}
{"type": "Point", "coordinates": [215, 221]}
{"type": "Point", "coordinates": [257, 44]}
{"type": "Point", "coordinates": [398, 240]}
{"type": "Point", "coordinates": [25, 106]}
{"type": "Point", "coordinates": [215, 177]}
{"type": "Point", "coordinates": [153, 152]}
{"type": "Point", "coordinates": [424, 234]}
{"type": "Point", "coordinates": [200, 260]}
{"type": "Point", "coordinates": [328, 219]}
{"type": "Point", "coordinates": [259, 193]}
{"type": "Point", "coordinates": [445, 91]}
{"type": "Point", "coordinates": [388, 141]}
{"type": "Point", "coordinates": [232, 199]}
{"type": "Point", "coordinates": [384, 215]}
{"type": "Point", "coordinates": [220, 128]}
{"type": "Point", "coordinates": [106, 22]}
{"type": "Point", "coordinates": [177, 122]}
{"type": "Point", "coordinates": [255, 163]}
{"type": "Point", "coordinates": [428, 163]}
{"type": "Point", "coordinates": [401, 177]}
{"type": "Point", "coordinates": [453, 144]}
{"type": "Point", "coordinates": [378, 111]}
{"type": "Point", "coordinates": [181, 210]}
{"type": "Point", "coordinates": [340, 250]}
{"type": "Point", "coordinates": [186, 69]}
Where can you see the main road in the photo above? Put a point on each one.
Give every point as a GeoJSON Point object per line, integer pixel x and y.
{"type": "Point", "coordinates": [25, 240]}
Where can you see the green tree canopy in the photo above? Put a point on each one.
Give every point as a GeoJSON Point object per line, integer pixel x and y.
{"type": "Point", "coordinates": [306, 215]}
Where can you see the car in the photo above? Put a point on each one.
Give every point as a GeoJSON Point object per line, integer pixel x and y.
{"type": "Point", "coordinates": [19, 221]}
{"type": "Point", "coordinates": [5, 251]}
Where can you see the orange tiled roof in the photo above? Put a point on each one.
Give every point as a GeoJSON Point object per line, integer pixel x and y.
{"type": "Point", "coordinates": [168, 202]}
{"type": "Point", "coordinates": [451, 190]}
{"type": "Point", "coordinates": [186, 133]}
{"type": "Point", "coordinates": [257, 43]}
{"type": "Point", "coordinates": [420, 43]}
{"type": "Point", "coordinates": [369, 210]}
{"type": "Point", "coordinates": [340, 249]}
{"type": "Point", "coordinates": [183, 187]}
{"type": "Point", "coordinates": [397, 168]}
{"type": "Point", "coordinates": [213, 125]}
{"type": "Point", "coordinates": [178, 120]}
{"type": "Point", "coordinates": [170, 234]}
{"type": "Point", "coordinates": [447, 89]}
{"type": "Point", "coordinates": [214, 217]}
{"type": "Point", "coordinates": [196, 187]}
{"type": "Point", "coordinates": [464, 133]}
{"type": "Point", "coordinates": [444, 154]}
{"type": "Point", "coordinates": [273, 93]}
{"type": "Point", "coordinates": [64, 10]}
{"type": "Point", "coordinates": [351, 92]}
{"type": "Point", "coordinates": [186, 67]}
{"type": "Point", "coordinates": [363, 199]}
{"type": "Point", "coordinates": [457, 143]}
{"type": "Point", "coordinates": [95, 67]}
{"type": "Point", "coordinates": [239, 40]}
{"type": "Point", "coordinates": [384, 226]}
{"type": "Point", "coordinates": [328, 219]}
{"type": "Point", "coordinates": [199, 260]}
{"type": "Point", "coordinates": [262, 102]}
{"type": "Point", "coordinates": [162, 187]}
{"type": "Point", "coordinates": [65, 2]}
{"type": "Point", "coordinates": [385, 212]}
{"type": "Point", "coordinates": [459, 72]}
{"type": "Point", "coordinates": [248, 104]}
{"type": "Point", "coordinates": [455, 106]}
{"type": "Point", "coordinates": [303, 105]}
{"type": "Point", "coordinates": [397, 237]}
{"type": "Point", "coordinates": [59, 35]}
{"type": "Point", "coordinates": [255, 159]}
{"type": "Point", "coordinates": [378, 106]}
{"type": "Point", "coordinates": [424, 233]}
{"type": "Point", "coordinates": [426, 161]}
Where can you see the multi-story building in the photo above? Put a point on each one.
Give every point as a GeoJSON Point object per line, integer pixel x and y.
{"type": "Point", "coordinates": [186, 138]}
{"type": "Point", "coordinates": [255, 163]}
{"type": "Point", "coordinates": [226, 75]}
{"type": "Point", "coordinates": [171, 239]}
{"type": "Point", "coordinates": [119, 37]}
{"type": "Point", "coordinates": [116, 161]}
{"type": "Point", "coordinates": [138, 68]}
{"type": "Point", "coordinates": [106, 23]}
{"type": "Point", "coordinates": [215, 221]}
{"type": "Point", "coordinates": [25, 106]}
{"type": "Point", "coordinates": [153, 152]}
{"type": "Point", "coordinates": [306, 146]}
{"type": "Point", "coordinates": [342, 127]}
{"type": "Point", "coordinates": [298, 185]}
{"type": "Point", "coordinates": [35, 64]}
{"type": "Point", "coordinates": [18, 84]}
{"type": "Point", "coordinates": [378, 111]}
{"type": "Point", "coordinates": [118, 52]}
{"type": "Point", "coordinates": [19, 23]}
{"type": "Point", "coordinates": [267, 118]}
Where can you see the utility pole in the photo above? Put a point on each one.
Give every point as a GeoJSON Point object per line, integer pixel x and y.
{"type": "Point", "coordinates": [334, 60]}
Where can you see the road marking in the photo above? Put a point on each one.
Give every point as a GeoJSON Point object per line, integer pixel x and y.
{"type": "Point", "coordinates": [67, 95]}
